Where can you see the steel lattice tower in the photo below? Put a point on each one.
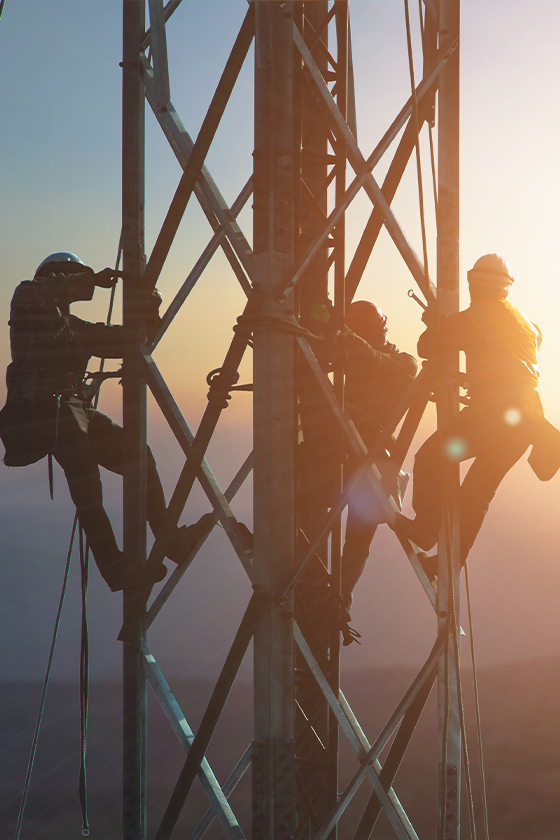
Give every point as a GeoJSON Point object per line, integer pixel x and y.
{"type": "Point", "coordinates": [307, 169]}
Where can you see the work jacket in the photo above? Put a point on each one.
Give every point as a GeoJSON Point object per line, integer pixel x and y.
{"type": "Point", "coordinates": [50, 347]}
{"type": "Point", "coordinates": [500, 345]}
{"type": "Point", "coordinates": [50, 352]}
{"type": "Point", "coordinates": [375, 382]}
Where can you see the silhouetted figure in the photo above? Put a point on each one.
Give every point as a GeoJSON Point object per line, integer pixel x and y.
{"type": "Point", "coordinates": [48, 410]}
{"type": "Point", "coordinates": [504, 414]}
{"type": "Point", "coordinates": [377, 376]}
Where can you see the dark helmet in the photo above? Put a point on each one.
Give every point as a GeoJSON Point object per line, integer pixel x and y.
{"type": "Point", "coordinates": [365, 319]}
{"type": "Point", "coordinates": [58, 257]}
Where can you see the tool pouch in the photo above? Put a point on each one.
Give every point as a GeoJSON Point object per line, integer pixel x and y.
{"type": "Point", "coordinates": [18, 433]}
{"type": "Point", "coordinates": [544, 459]}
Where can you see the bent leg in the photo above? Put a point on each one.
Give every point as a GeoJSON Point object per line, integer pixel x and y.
{"type": "Point", "coordinates": [482, 480]}
{"type": "Point", "coordinates": [107, 442]}
{"type": "Point", "coordinates": [75, 456]}
{"type": "Point", "coordinates": [364, 515]}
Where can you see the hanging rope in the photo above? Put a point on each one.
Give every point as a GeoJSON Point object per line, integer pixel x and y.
{"type": "Point", "coordinates": [45, 684]}
{"type": "Point", "coordinates": [453, 618]}
{"type": "Point", "coordinates": [430, 132]}
{"type": "Point", "coordinates": [84, 645]}
{"type": "Point", "coordinates": [84, 640]}
{"type": "Point", "coordinates": [477, 709]}
{"type": "Point", "coordinates": [84, 685]}
{"type": "Point", "coordinates": [417, 143]}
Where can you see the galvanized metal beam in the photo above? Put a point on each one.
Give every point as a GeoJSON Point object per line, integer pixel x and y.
{"type": "Point", "coordinates": [235, 247]}
{"type": "Point", "coordinates": [359, 743]}
{"type": "Point", "coordinates": [211, 716]}
{"type": "Point", "coordinates": [449, 770]}
{"type": "Point", "coordinates": [274, 423]}
{"type": "Point", "coordinates": [199, 151]}
{"type": "Point", "coordinates": [217, 796]}
{"type": "Point", "coordinates": [444, 54]}
{"type": "Point", "coordinates": [158, 43]}
{"type": "Point", "coordinates": [134, 415]}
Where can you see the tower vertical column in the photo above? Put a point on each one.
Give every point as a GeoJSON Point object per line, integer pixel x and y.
{"type": "Point", "coordinates": [134, 413]}
{"type": "Point", "coordinates": [448, 404]}
{"type": "Point", "coordinates": [274, 424]}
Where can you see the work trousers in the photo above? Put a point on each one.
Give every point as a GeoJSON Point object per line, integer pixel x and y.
{"type": "Point", "coordinates": [495, 432]}
{"type": "Point", "coordinates": [364, 515]}
{"type": "Point", "coordinates": [87, 439]}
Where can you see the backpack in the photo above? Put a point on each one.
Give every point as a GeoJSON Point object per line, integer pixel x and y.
{"type": "Point", "coordinates": [18, 433]}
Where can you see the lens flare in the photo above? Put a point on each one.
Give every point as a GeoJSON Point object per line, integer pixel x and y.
{"type": "Point", "coordinates": [456, 448]}
{"type": "Point", "coordinates": [512, 416]}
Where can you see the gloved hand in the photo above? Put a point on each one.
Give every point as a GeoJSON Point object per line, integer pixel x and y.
{"type": "Point", "coordinates": [152, 314]}
{"type": "Point", "coordinates": [107, 278]}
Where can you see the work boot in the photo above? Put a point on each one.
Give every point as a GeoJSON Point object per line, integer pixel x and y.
{"type": "Point", "coordinates": [245, 537]}
{"type": "Point", "coordinates": [339, 609]}
{"type": "Point", "coordinates": [412, 529]}
{"type": "Point", "coordinates": [430, 564]}
{"type": "Point", "coordinates": [126, 575]}
{"type": "Point", "coordinates": [188, 536]}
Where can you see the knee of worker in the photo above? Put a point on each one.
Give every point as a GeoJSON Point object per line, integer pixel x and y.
{"type": "Point", "coordinates": [430, 455]}
{"type": "Point", "coordinates": [151, 468]}
{"type": "Point", "coordinates": [85, 489]}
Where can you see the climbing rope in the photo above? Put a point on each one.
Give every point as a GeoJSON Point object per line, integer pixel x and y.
{"type": "Point", "coordinates": [84, 685]}
{"type": "Point", "coordinates": [45, 684]}
{"type": "Point", "coordinates": [430, 132]}
{"type": "Point", "coordinates": [417, 141]}
{"type": "Point", "coordinates": [84, 644]}
{"type": "Point", "coordinates": [477, 708]}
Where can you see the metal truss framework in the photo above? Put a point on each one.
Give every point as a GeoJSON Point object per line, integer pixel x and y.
{"type": "Point", "coordinates": [308, 168]}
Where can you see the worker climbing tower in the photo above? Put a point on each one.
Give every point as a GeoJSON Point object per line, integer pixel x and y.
{"type": "Point", "coordinates": [307, 169]}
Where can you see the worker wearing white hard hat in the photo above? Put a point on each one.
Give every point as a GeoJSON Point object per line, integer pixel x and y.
{"type": "Point", "coordinates": [504, 415]}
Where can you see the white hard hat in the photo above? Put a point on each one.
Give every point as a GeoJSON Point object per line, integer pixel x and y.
{"type": "Point", "coordinates": [59, 257]}
{"type": "Point", "coordinates": [491, 270]}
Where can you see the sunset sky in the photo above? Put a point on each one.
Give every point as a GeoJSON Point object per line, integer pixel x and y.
{"type": "Point", "coordinates": [60, 163]}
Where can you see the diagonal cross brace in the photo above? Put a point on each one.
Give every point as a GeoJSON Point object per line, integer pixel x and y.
{"type": "Point", "coordinates": [201, 264]}
{"type": "Point", "coordinates": [424, 88]}
{"type": "Point", "coordinates": [359, 743]}
{"type": "Point", "coordinates": [359, 164]}
{"type": "Point", "coordinates": [211, 715]}
{"type": "Point", "coordinates": [199, 151]}
{"type": "Point", "coordinates": [185, 438]}
{"type": "Point", "coordinates": [213, 204]}
{"type": "Point", "coordinates": [425, 675]}
{"type": "Point", "coordinates": [217, 401]}
{"type": "Point", "coordinates": [163, 595]}
{"type": "Point", "coordinates": [220, 806]}
{"type": "Point", "coordinates": [168, 10]}
{"type": "Point", "coordinates": [228, 787]}
{"type": "Point", "coordinates": [158, 43]}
